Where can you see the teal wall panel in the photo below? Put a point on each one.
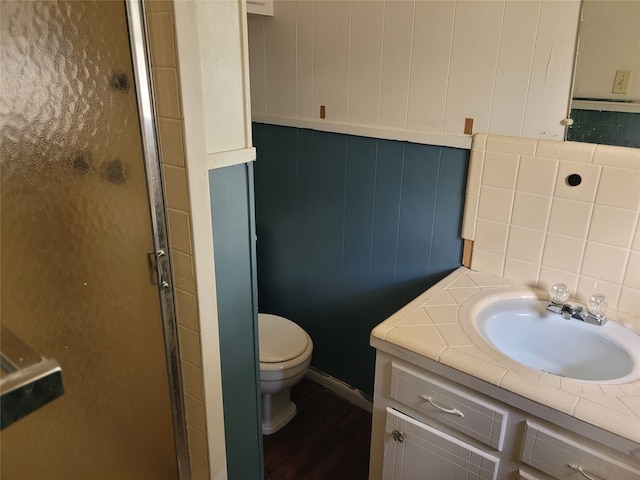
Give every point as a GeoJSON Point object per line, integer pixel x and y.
{"type": "Point", "coordinates": [233, 223]}
{"type": "Point", "coordinates": [349, 230]}
{"type": "Point", "coordinates": [608, 128]}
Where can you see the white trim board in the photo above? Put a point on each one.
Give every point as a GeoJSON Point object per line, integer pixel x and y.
{"type": "Point", "coordinates": [425, 138]}
{"type": "Point", "coordinates": [608, 106]}
{"type": "Point", "coordinates": [341, 389]}
{"type": "Point", "coordinates": [231, 157]}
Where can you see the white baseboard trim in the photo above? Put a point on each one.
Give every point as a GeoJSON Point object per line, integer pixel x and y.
{"type": "Point", "coordinates": [341, 389]}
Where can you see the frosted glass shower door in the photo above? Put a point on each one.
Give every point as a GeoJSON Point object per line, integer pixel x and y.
{"type": "Point", "coordinates": [75, 233]}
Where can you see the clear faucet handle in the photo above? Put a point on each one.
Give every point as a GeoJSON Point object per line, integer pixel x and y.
{"type": "Point", "coordinates": [597, 305]}
{"type": "Point", "coordinates": [559, 293]}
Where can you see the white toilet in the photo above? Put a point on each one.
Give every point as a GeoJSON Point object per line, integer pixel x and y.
{"type": "Point", "coordinates": [285, 354]}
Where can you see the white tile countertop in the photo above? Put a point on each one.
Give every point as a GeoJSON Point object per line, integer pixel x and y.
{"type": "Point", "coordinates": [430, 327]}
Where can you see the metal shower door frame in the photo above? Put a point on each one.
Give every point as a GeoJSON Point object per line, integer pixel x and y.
{"type": "Point", "coordinates": [138, 40]}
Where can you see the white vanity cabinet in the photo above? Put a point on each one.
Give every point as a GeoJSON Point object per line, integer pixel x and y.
{"type": "Point", "coordinates": [428, 426]}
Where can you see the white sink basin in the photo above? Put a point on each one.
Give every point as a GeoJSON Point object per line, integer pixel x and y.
{"type": "Point", "coordinates": [524, 331]}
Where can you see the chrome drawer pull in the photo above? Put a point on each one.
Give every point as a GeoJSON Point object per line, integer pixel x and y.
{"type": "Point", "coordinates": [578, 468]}
{"type": "Point", "coordinates": [452, 411]}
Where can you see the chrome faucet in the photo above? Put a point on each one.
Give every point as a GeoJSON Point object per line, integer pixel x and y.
{"type": "Point", "coordinates": [572, 311]}
{"type": "Point", "coordinates": [594, 314]}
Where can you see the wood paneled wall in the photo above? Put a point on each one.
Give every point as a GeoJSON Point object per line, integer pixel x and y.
{"type": "Point", "coordinates": [349, 230]}
{"type": "Point", "coordinates": [415, 69]}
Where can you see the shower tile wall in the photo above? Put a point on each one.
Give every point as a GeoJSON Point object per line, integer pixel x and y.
{"type": "Point", "coordinates": [170, 125]}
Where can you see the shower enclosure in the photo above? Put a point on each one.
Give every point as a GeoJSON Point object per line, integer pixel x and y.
{"type": "Point", "coordinates": [84, 274]}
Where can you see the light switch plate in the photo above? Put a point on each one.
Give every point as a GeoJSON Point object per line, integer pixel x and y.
{"type": "Point", "coordinates": [622, 81]}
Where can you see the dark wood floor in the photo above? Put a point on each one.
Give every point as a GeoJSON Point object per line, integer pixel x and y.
{"type": "Point", "coordinates": [329, 438]}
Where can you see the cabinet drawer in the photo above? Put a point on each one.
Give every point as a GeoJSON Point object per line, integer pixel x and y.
{"type": "Point", "coordinates": [469, 414]}
{"type": "Point", "coordinates": [414, 450]}
{"type": "Point", "coordinates": [563, 457]}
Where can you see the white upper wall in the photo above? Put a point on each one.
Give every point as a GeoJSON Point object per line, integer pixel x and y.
{"type": "Point", "coordinates": [415, 69]}
{"type": "Point", "coordinates": [609, 41]}
{"type": "Point", "coordinates": [223, 86]}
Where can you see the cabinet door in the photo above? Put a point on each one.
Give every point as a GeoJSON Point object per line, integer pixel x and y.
{"type": "Point", "coordinates": [415, 451]}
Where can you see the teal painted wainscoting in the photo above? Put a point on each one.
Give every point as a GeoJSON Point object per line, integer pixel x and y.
{"type": "Point", "coordinates": [349, 230]}
{"type": "Point", "coordinates": [232, 215]}
{"type": "Point", "coordinates": [609, 128]}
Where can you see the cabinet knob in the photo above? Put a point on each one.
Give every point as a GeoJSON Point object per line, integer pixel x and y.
{"type": "Point", "coordinates": [398, 436]}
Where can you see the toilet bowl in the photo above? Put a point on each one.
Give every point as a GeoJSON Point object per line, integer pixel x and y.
{"type": "Point", "coordinates": [285, 354]}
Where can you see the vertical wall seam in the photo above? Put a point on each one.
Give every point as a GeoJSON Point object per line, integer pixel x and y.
{"type": "Point", "coordinates": [267, 207]}
{"type": "Point", "coordinates": [384, 15]}
{"type": "Point", "coordinates": [373, 212]}
{"type": "Point", "coordinates": [435, 211]}
{"type": "Point", "coordinates": [264, 57]}
{"type": "Point", "coordinates": [446, 89]}
{"type": "Point", "coordinates": [533, 56]}
{"type": "Point", "coordinates": [344, 213]}
{"type": "Point", "coordinates": [413, 29]}
{"type": "Point", "coordinates": [313, 56]}
{"type": "Point", "coordinates": [298, 223]}
{"type": "Point", "coordinates": [349, 58]}
{"type": "Point", "coordinates": [395, 263]}
{"type": "Point", "coordinates": [497, 64]}
{"type": "Point", "coordinates": [311, 239]}
{"type": "Point", "coordinates": [297, 66]}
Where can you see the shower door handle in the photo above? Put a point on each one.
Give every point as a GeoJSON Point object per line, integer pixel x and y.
{"type": "Point", "coordinates": [28, 380]}
{"type": "Point", "coordinates": [152, 263]}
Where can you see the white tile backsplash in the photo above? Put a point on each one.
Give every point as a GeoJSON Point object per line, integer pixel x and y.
{"type": "Point", "coordinates": [474, 176]}
{"type": "Point", "coordinates": [563, 252]}
{"type": "Point", "coordinates": [632, 275]}
{"type": "Point", "coordinates": [569, 217]}
{"type": "Point", "coordinates": [507, 144]}
{"type": "Point", "coordinates": [629, 300]}
{"type": "Point", "coordinates": [586, 190]}
{"type": "Point", "coordinates": [636, 239]}
{"type": "Point", "coordinates": [484, 261]}
{"type": "Point", "coordinates": [619, 187]}
{"type": "Point", "coordinates": [570, 151]}
{"type": "Point", "coordinates": [617, 156]}
{"type": "Point", "coordinates": [530, 226]}
{"type": "Point", "coordinates": [525, 244]}
{"type": "Point", "coordinates": [549, 276]}
{"type": "Point", "coordinates": [531, 210]}
{"type": "Point", "coordinates": [493, 235]}
{"type": "Point", "coordinates": [613, 226]}
{"type": "Point", "coordinates": [605, 262]}
{"type": "Point", "coordinates": [495, 204]}
{"type": "Point", "coordinates": [537, 175]}
{"type": "Point", "coordinates": [521, 272]}
{"type": "Point", "coordinates": [500, 169]}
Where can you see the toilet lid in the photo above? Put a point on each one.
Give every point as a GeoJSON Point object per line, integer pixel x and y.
{"type": "Point", "coordinates": [280, 339]}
